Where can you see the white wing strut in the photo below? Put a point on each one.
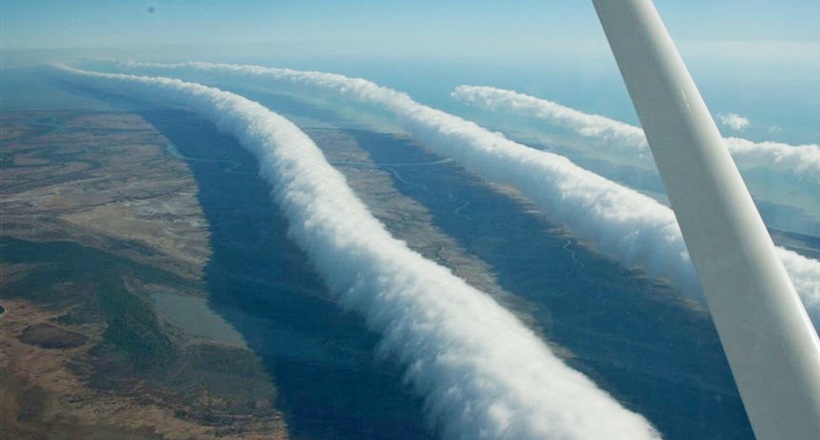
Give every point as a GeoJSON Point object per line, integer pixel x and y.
{"type": "Point", "coordinates": [773, 350]}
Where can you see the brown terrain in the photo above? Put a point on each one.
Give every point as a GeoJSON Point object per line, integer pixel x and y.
{"type": "Point", "coordinates": [96, 217]}
{"type": "Point", "coordinates": [101, 180]}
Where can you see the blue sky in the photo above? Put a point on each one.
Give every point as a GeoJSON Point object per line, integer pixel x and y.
{"type": "Point", "coordinates": [317, 25]}
{"type": "Point", "coordinates": [386, 27]}
{"type": "Point", "coordinates": [759, 57]}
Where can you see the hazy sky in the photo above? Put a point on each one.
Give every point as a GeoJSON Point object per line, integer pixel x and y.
{"type": "Point", "coordinates": [388, 27]}
{"type": "Point", "coordinates": [759, 57]}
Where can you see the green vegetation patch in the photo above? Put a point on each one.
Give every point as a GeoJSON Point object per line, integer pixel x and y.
{"type": "Point", "coordinates": [133, 327]}
{"type": "Point", "coordinates": [87, 284]}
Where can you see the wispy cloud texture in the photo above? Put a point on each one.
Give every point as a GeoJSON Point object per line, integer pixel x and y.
{"type": "Point", "coordinates": [623, 223]}
{"type": "Point", "coordinates": [483, 374]}
{"type": "Point", "coordinates": [776, 157]}
{"type": "Point", "coordinates": [734, 121]}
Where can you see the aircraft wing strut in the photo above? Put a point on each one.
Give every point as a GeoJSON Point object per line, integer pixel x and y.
{"type": "Point", "coordinates": [772, 347]}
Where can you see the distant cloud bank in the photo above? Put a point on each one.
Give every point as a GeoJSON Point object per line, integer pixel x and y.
{"type": "Point", "coordinates": [775, 157]}
{"type": "Point", "coordinates": [482, 373]}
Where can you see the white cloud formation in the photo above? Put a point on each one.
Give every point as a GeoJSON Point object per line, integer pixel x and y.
{"type": "Point", "coordinates": [482, 372]}
{"type": "Point", "coordinates": [598, 128]}
{"type": "Point", "coordinates": [734, 121]}
{"type": "Point", "coordinates": [633, 228]}
{"type": "Point", "coordinates": [775, 157]}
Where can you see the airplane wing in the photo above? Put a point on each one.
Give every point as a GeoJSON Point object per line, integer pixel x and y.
{"type": "Point", "coordinates": [772, 348]}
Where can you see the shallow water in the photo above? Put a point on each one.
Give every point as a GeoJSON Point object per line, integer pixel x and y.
{"type": "Point", "coordinates": [194, 315]}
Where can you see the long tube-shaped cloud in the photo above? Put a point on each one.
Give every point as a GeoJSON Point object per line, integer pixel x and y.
{"type": "Point", "coordinates": [482, 372]}
{"type": "Point", "coordinates": [633, 228]}
{"type": "Point", "coordinates": [782, 158]}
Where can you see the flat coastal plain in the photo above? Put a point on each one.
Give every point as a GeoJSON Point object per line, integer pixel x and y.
{"type": "Point", "coordinates": [103, 245]}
